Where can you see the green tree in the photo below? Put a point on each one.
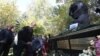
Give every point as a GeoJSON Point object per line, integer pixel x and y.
{"type": "Point", "coordinates": [8, 13]}
{"type": "Point", "coordinates": [54, 20]}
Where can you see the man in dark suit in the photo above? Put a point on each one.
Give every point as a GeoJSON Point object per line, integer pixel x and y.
{"type": "Point", "coordinates": [24, 41]}
{"type": "Point", "coordinates": [6, 39]}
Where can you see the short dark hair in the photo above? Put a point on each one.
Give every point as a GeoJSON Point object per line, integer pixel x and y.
{"type": "Point", "coordinates": [10, 26]}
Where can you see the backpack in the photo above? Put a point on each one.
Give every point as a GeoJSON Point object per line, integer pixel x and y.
{"type": "Point", "coordinates": [36, 44]}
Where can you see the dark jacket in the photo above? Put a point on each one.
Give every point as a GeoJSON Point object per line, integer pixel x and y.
{"type": "Point", "coordinates": [25, 34]}
{"type": "Point", "coordinates": [6, 35]}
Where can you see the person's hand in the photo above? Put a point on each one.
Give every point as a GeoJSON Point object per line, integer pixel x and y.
{"type": "Point", "coordinates": [92, 42]}
{"type": "Point", "coordinates": [33, 24]}
{"type": "Point", "coordinates": [29, 43]}
{"type": "Point", "coordinates": [45, 54]}
{"type": "Point", "coordinates": [2, 41]}
{"type": "Point", "coordinates": [37, 51]}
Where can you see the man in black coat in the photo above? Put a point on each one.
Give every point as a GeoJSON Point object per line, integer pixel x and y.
{"type": "Point", "coordinates": [6, 39]}
{"type": "Point", "coordinates": [24, 41]}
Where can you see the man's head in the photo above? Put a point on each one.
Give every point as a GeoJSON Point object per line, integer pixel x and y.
{"type": "Point", "coordinates": [98, 36]}
{"type": "Point", "coordinates": [11, 27]}
{"type": "Point", "coordinates": [33, 24]}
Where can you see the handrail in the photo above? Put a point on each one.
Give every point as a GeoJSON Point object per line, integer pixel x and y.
{"type": "Point", "coordinates": [88, 32]}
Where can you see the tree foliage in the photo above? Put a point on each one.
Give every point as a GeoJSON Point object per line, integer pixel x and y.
{"type": "Point", "coordinates": [49, 19]}
{"type": "Point", "coordinates": [52, 20]}
{"type": "Point", "coordinates": [8, 13]}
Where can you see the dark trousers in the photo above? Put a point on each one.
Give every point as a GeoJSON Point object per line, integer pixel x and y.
{"type": "Point", "coordinates": [4, 49]}
{"type": "Point", "coordinates": [22, 47]}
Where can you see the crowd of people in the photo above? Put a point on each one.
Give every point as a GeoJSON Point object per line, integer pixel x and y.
{"type": "Point", "coordinates": [26, 44]}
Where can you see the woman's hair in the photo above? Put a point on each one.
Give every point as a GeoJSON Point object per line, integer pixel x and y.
{"type": "Point", "coordinates": [97, 36]}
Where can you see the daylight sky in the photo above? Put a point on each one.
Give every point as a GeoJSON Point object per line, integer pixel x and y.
{"type": "Point", "coordinates": [22, 5]}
